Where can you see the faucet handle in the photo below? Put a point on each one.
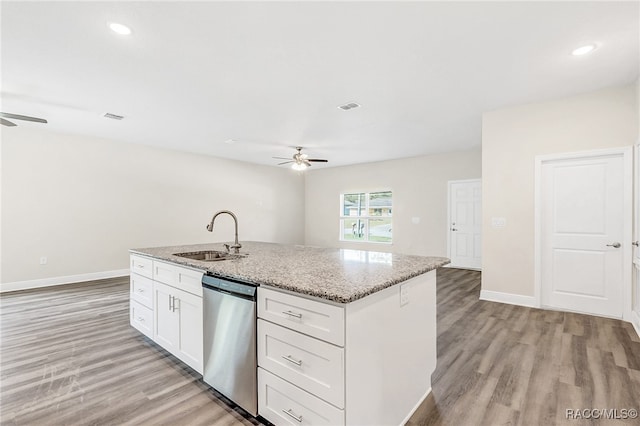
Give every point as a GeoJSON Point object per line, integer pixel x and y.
{"type": "Point", "coordinates": [226, 246]}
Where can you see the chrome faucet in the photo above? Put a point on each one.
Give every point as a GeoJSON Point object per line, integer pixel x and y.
{"type": "Point", "coordinates": [236, 246]}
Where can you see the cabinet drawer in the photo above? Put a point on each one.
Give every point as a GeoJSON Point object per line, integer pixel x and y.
{"type": "Point", "coordinates": [142, 290]}
{"type": "Point", "coordinates": [141, 318]}
{"type": "Point", "coordinates": [309, 363]}
{"type": "Point", "coordinates": [284, 404]}
{"type": "Point", "coordinates": [186, 279]}
{"type": "Point", "coordinates": [142, 266]}
{"type": "Point", "coordinates": [307, 316]}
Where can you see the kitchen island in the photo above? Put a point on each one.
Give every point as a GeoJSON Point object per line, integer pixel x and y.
{"type": "Point", "coordinates": [343, 336]}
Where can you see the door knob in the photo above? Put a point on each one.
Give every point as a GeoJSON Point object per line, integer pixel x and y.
{"type": "Point", "coordinates": [635, 243]}
{"type": "Point", "coordinates": [614, 245]}
{"type": "Point", "coordinates": [453, 229]}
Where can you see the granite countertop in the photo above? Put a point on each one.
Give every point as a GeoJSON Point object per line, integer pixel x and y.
{"type": "Point", "coordinates": [339, 275]}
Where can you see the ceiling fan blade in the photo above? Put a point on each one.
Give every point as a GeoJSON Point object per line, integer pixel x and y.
{"type": "Point", "coordinates": [308, 164]}
{"type": "Point", "coordinates": [282, 158]}
{"type": "Point", "coordinates": [22, 117]}
{"type": "Point", "coordinates": [285, 162]}
{"type": "Point", "coordinates": [7, 123]}
{"type": "Point", "coordinates": [318, 160]}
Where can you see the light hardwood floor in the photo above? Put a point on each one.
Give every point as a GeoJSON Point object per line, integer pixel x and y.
{"type": "Point", "coordinates": [69, 356]}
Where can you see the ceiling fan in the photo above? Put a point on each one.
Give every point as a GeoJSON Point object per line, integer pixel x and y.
{"type": "Point", "coordinates": [4, 122]}
{"type": "Point", "coordinates": [300, 161]}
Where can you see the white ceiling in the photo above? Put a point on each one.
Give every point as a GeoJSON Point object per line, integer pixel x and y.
{"type": "Point", "coordinates": [271, 74]}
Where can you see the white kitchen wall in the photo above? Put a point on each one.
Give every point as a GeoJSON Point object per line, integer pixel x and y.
{"type": "Point", "coordinates": [511, 139]}
{"type": "Point", "coordinates": [83, 202]}
{"type": "Point", "coordinates": [419, 188]}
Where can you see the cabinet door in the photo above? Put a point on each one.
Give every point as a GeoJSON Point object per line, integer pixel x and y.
{"type": "Point", "coordinates": [311, 317]}
{"type": "Point", "coordinates": [309, 363]}
{"type": "Point", "coordinates": [141, 318]}
{"type": "Point", "coordinates": [284, 404]}
{"type": "Point", "coordinates": [141, 265]}
{"type": "Point", "coordinates": [189, 308]}
{"type": "Point", "coordinates": [166, 322]}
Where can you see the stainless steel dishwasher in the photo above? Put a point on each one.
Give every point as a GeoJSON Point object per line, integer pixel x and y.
{"type": "Point", "coordinates": [230, 364]}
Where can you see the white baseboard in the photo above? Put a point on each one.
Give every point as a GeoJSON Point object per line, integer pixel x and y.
{"type": "Point", "coordinates": [510, 298]}
{"type": "Point", "coordinates": [47, 282]}
{"type": "Point", "coordinates": [449, 265]}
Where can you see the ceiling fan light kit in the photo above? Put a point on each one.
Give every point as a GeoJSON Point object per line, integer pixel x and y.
{"type": "Point", "coordinates": [299, 166]}
{"type": "Point", "coordinates": [300, 161]}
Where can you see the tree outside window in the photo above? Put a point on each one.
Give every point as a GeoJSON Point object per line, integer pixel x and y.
{"type": "Point", "coordinates": [366, 216]}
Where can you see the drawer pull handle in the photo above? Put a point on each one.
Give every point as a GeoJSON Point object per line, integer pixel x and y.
{"type": "Point", "coordinates": [140, 319]}
{"type": "Point", "coordinates": [292, 314]}
{"type": "Point", "coordinates": [140, 266]}
{"type": "Point", "coordinates": [141, 290]}
{"type": "Point", "coordinates": [289, 412]}
{"type": "Point", "coordinates": [297, 362]}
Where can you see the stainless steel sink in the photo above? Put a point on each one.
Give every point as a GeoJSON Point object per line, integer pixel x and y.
{"type": "Point", "coordinates": [208, 255]}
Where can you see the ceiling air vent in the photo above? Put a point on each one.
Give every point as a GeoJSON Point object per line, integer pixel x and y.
{"type": "Point", "coordinates": [350, 105]}
{"type": "Point", "coordinates": [113, 116]}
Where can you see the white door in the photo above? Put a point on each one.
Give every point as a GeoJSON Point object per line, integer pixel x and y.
{"type": "Point", "coordinates": [465, 223]}
{"type": "Point", "coordinates": [582, 216]}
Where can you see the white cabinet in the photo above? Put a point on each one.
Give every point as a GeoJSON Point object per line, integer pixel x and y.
{"type": "Point", "coordinates": [166, 306]}
{"type": "Point", "coordinates": [367, 362]}
{"type": "Point", "coordinates": [301, 360]}
{"type": "Point", "coordinates": [141, 295]}
{"type": "Point", "coordinates": [309, 363]}
{"type": "Point", "coordinates": [307, 316]}
{"type": "Point", "coordinates": [142, 290]}
{"type": "Point", "coordinates": [141, 318]}
{"type": "Point", "coordinates": [178, 324]}
{"type": "Point", "coordinates": [284, 404]}
{"type": "Point", "coordinates": [142, 266]}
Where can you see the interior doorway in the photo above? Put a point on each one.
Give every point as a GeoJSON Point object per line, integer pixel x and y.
{"type": "Point", "coordinates": [465, 224]}
{"type": "Point", "coordinates": [583, 231]}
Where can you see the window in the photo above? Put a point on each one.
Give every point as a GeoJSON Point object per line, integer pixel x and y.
{"type": "Point", "coordinates": [366, 216]}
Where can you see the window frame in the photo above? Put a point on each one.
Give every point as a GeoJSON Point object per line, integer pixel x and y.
{"type": "Point", "coordinates": [364, 217]}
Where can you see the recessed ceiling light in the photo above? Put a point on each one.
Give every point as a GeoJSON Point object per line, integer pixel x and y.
{"type": "Point", "coordinates": [230, 141]}
{"type": "Point", "coordinates": [119, 28]}
{"type": "Point", "coordinates": [583, 50]}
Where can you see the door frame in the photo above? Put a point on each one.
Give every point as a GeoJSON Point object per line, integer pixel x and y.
{"type": "Point", "coordinates": [635, 314]}
{"type": "Point", "coordinates": [627, 253]}
{"type": "Point", "coordinates": [449, 183]}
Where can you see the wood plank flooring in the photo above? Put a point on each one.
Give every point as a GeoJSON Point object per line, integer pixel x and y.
{"type": "Point", "coordinates": [69, 357]}
{"type": "Point", "coordinates": [510, 365]}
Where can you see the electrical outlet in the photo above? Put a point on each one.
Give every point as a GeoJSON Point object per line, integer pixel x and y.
{"type": "Point", "coordinates": [404, 294]}
{"type": "Point", "coordinates": [43, 260]}
{"type": "Point", "coordinates": [498, 222]}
